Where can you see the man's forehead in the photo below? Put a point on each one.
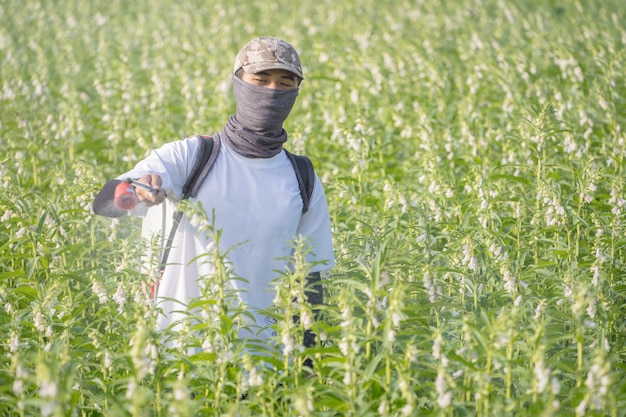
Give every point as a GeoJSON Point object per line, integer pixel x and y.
{"type": "Point", "coordinates": [280, 72]}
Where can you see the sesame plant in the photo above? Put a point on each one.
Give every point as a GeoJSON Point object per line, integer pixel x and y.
{"type": "Point", "coordinates": [472, 154]}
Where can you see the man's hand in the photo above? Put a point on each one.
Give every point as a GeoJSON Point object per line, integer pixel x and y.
{"type": "Point", "coordinates": [146, 197]}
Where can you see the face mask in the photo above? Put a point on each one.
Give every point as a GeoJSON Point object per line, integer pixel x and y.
{"type": "Point", "coordinates": [256, 130]}
{"type": "Point", "coordinates": [262, 110]}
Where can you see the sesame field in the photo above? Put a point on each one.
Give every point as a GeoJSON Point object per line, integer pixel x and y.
{"type": "Point", "coordinates": [473, 157]}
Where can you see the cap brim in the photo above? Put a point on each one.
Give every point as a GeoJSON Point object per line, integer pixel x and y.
{"type": "Point", "coordinates": [263, 66]}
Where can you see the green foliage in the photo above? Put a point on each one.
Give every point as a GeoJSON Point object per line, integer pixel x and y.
{"type": "Point", "coordinates": [472, 154]}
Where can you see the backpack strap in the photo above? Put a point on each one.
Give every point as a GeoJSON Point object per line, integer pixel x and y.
{"type": "Point", "coordinates": [305, 174]}
{"type": "Point", "coordinates": [208, 149]}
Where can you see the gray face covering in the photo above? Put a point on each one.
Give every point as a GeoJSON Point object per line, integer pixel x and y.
{"type": "Point", "coordinates": [256, 129]}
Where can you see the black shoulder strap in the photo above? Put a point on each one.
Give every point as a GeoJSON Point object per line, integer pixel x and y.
{"type": "Point", "coordinates": [208, 149]}
{"type": "Point", "coordinates": [305, 175]}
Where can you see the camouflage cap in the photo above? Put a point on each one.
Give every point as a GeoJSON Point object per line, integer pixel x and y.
{"type": "Point", "coordinates": [266, 52]}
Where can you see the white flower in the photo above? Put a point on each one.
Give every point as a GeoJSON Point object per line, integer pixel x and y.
{"type": "Point", "coordinates": [467, 254]}
{"type": "Point", "coordinates": [429, 284]}
{"type": "Point", "coordinates": [18, 383]}
{"type": "Point", "coordinates": [97, 288]}
{"type": "Point", "coordinates": [180, 393]}
{"type": "Point", "coordinates": [304, 404]}
{"type": "Point", "coordinates": [120, 297]}
{"type": "Point", "coordinates": [440, 382]}
{"type": "Point", "coordinates": [539, 309]}
{"type": "Point", "coordinates": [556, 386]}
{"type": "Point", "coordinates": [395, 318]}
{"type": "Point", "coordinates": [509, 281]}
{"type": "Point", "coordinates": [288, 344]}
{"type": "Point", "coordinates": [567, 291]}
{"type": "Point", "coordinates": [207, 346]}
{"type": "Point", "coordinates": [347, 378]}
{"type": "Point", "coordinates": [346, 346]}
{"type": "Point", "coordinates": [38, 320]}
{"type": "Point", "coordinates": [47, 408]}
{"type": "Point", "coordinates": [100, 19]}
{"type": "Point", "coordinates": [48, 389]}
{"type": "Point", "coordinates": [306, 319]}
{"type": "Point", "coordinates": [383, 408]}
{"type": "Point", "coordinates": [108, 360]}
{"type": "Point", "coordinates": [345, 315]}
{"type": "Point", "coordinates": [495, 249]}
{"type": "Point", "coordinates": [407, 410]}
{"type": "Point", "coordinates": [152, 354]}
{"type": "Point", "coordinates": [18, 387]}
{"type": "Point", "coordinates": [143, 353]}
{"type": "Point", "coordinates": [255, 379]}
{"type": "Point", "coordinates": [444, 398]}
{"type": "Point", "coordinates": [437, 348]}
{"type": "Point", "coordinates": [543, 376]}
{"type": "Point", "coordinates": [14, 343]}
{"type": "Point", "coordinates": [596, 274]}
{"type": "Point", "coordinates": [473, 264]}
{"type": "Point", "coordinates": [343, 346]}
{"type": "Point", "coordinates": [132, 387]}
{"type": "Point", "coordinates": [591, 308]}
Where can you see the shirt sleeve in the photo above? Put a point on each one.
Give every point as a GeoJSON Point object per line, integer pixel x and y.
{"type": "Point", "coordinates": [172, 162]}
{"type": "Point", "coordinates": [315, 227]}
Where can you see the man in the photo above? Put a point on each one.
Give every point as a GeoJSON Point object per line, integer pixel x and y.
{"type": "Point", "coordinates": [252, 191]}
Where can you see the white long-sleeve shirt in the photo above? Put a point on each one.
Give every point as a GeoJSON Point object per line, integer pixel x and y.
{"type": "Point", "coordinates": [258, 209]}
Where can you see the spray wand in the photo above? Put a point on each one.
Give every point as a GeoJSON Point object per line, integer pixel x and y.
{"type": "Point", "coordinates": [125, 197]}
